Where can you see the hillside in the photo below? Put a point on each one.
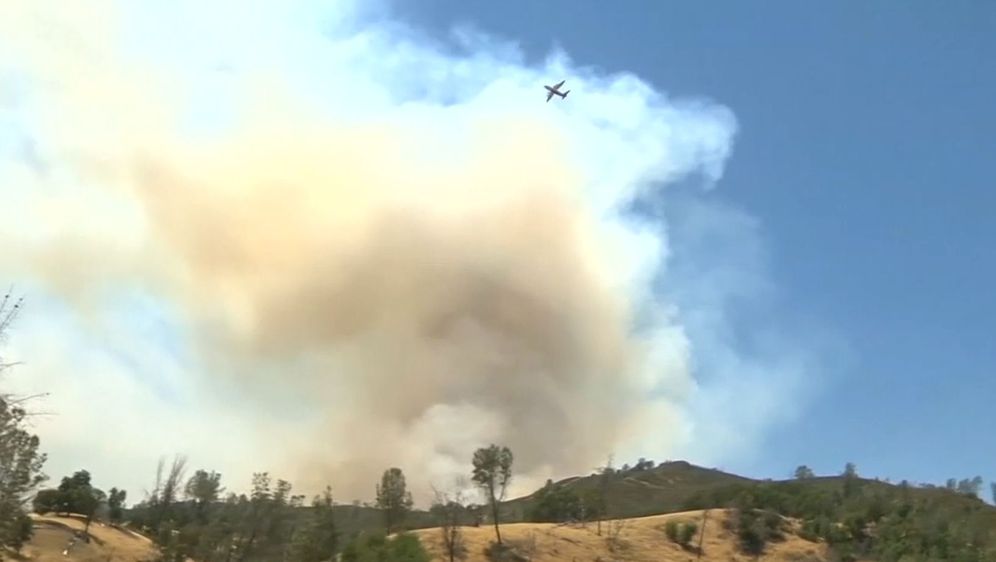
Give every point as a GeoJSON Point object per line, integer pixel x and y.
{"type": "Point", "coordinates": [53, 535]}
{"type": "Point", "coordinates": [635, 493]}
{"type": "Point", "coordinates": [638, 540]}
{"type": "Point", "coordinates": [840, 517]}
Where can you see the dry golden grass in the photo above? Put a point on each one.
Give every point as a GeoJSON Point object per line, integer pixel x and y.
{"type": "Point", "coordinates": [108, 544]}
{"type": "Point", "coordinates": [639, 540]}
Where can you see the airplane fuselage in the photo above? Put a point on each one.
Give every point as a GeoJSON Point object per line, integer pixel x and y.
{"type": "Point", "coordinates": [554, 91]}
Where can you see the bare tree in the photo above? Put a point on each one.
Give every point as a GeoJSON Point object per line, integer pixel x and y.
{"type": "Point", "coordinates": [614, 540]}
{"type": "Point", "coordinates": [448, 509]}
{"type": "Point", "coordinates": [168, 488]}
{"type": "Point", "coordinates": [705, 519]}
{"type": "Point", "coordinates": [602, 494]}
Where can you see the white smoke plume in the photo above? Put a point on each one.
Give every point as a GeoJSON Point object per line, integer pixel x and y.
{"type": "Point", "coordinates": [308, 240]}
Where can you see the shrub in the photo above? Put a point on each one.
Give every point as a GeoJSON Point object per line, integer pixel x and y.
{"type": "Point", "coordinates": [672, 530]}
{"type": "Point", "coordinates": [687, 533]}
{"type": "Point", "coordinates": [376, 547]}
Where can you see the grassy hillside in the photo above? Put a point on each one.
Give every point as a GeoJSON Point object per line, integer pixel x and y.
{"type": "Point", "coordinates": [843, 518]}
{"type": "Point", "coordinates": [54, 535]}
{"type": "Point", "coordinates": [635, 540]}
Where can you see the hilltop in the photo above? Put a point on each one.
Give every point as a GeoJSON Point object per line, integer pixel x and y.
{"type": "Point", "coordinates": [639, 491]}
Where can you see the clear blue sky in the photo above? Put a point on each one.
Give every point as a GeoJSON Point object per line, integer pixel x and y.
{"type": "Point", "coordinates": [866, 144]}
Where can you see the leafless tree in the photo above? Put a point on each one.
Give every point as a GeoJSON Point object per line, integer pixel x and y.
{"type": "Point", "coordinates": [449, 508]}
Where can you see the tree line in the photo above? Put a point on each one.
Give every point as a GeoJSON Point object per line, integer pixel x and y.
{"type": "Point", "coordinates": [860, 518]}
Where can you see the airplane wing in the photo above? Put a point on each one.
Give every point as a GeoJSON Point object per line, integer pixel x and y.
{"type": "Point", "coordinates": [559, 84]}
{"type": "Point", "coordinates": [549, 95]}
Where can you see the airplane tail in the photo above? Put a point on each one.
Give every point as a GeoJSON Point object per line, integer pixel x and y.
{"type": "Point", "coordinates": [567, 92]}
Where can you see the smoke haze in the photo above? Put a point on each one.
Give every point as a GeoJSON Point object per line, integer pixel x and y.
{"type": "Point", "coordinates": [313, 242]}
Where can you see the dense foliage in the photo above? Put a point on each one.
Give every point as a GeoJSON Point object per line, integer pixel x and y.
{"type": "Point", "coordinates": [558, 504]}
{"type": "Point", "coordinates": [379, 548]}
{"type": "Point", "coordinates": [862, 518]}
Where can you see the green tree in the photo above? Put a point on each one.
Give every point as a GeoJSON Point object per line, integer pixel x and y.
{"type": "Point", "coordinates": [970, 487]}
{"type": "Point", "coordinates": [492, 473]}
{"type": "Point", "coordinates": [20, 462]}
{"type": "Point", "coordinates": [77, 495]}
{"type": "Point", "coordinates": [204, 488]}
{"type": "Point", "coordinates": [46, 501]}
{"type": "Point", "coordinates": [803, 472]}
{"type": "Point", "coordinates": [851, 482]}
{"type": "Point", "coordinates": [393, 498]}
{"type": "Point", "coordinates": [992, 487]}
{"type": "Point", "coordinates": [115, 504]}
{"type": "Point", "coordinates": [318, 541]}
{"type": "Point", "coordinates": [556, 504]}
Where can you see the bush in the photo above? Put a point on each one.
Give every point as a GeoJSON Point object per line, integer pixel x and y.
{"type": "Point", "coordinates": [672, 530]}
{"type": "Point", "coordinates": [378, 548]}
{"type": "Point", "coordinates": [681, 533]}
{"type": "Point", "coordinates": [687, 533]}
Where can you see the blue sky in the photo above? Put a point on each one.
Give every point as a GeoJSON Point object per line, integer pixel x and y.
{"type": "Point", "coordinates": [864, 150]}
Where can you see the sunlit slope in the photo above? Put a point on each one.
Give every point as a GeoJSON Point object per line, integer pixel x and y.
{"type": "Point", "coordinates": [52, 536]}
{"type": "Point", "coordinates": [638, 540]}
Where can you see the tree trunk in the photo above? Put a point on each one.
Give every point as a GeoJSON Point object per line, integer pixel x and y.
{"type": "Point", "coordinates": [705, 519]}
{"type": "Point", "coordinates": [494, 512]}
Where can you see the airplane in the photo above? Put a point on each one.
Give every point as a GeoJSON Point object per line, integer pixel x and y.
{"type": "Point", "coordinates": [551, 90]}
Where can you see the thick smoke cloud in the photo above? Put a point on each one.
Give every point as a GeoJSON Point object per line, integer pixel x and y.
{"type": "Point", "coordinates": [357, 249]}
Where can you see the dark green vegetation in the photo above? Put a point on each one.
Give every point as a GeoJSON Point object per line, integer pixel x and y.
{"type": "Point", "coordinates": [393, 498]}
{"type": "Point", "coordinates": [270, 523]}
{"type": "Point", "coordinates": [681, 533]}
{"type": "Point", "coordinates": [861, 518]}
{"type": "Point", "coordinates": [377, 547]}
{"type": "Point", "coordinates": [644, 489]}
{"type": "Point", "coordinates": [76, 494]}
{"type": "Point", "coordinates": [492, 473]}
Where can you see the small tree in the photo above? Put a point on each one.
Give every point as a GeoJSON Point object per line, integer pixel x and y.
{"type": "Point", "coordinates": [320, 538]}
{"type": "Point", "coordinates": [599, 501]}
{"type": "Point", "coordinates": [204, 488]}
{"type": "Point", "coordinates": [20, 461]}
{"type": "Point", "coordinates": [850, 479]}
{"type": "Point", "coordinates": [393, 498]}
{"type": "Point", "coordinates": [992, 488]}
{"type": "Point", "coordinates": [492, 473]}
{"type": "Point", "coordinates": [115, 504]}
{"type": "Point", "coordinates": [803, 472]}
